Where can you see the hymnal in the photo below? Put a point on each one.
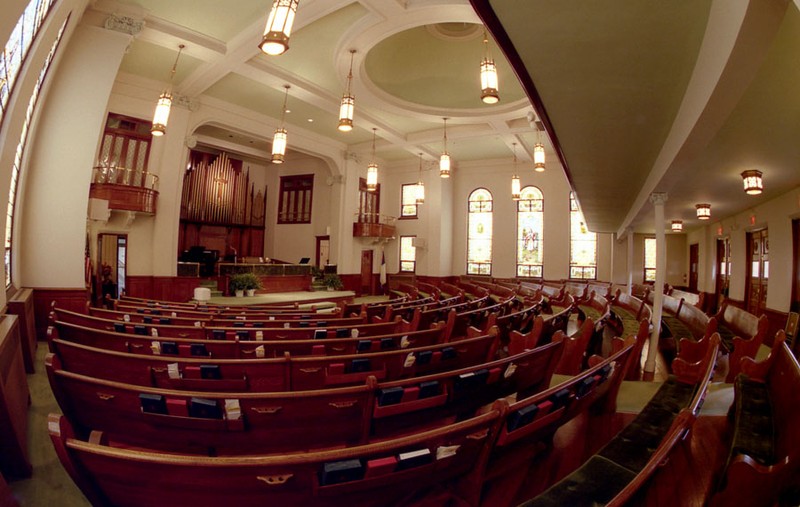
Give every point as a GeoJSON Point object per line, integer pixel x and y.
{"type": "Point", "coordinates": [198, 349]}
{"type": "Point", "coordinates": [363, 345]}
{"type": "Point", "coordinates": [448, 353]}
{"type": "Point", "coordinates": [584, 386]}
{"type": "Point", "coordinates": [424, 357]}
{"type": "Point", "coordinates": [380, 466]}
{"type": "Point", "coordinates": [522, 417]}
{"type": "Point", "coordinates": [390, 396]}
{"type": "Point", "coordinates": [560, 398]}
{"type": "Point", "coordinates": [387, 343]}
{"type": "Point", "coordinates": [202, 407]}
{"type": "Point", "coordinates": [119, 328]}
{"type": "Point", "coordinates": [411, 459]}
{"type": "Point", "coordinates": [218, 334]}
{"type": "Point", "coordinates": [359, 365]}
{"type": "Point", "coordinates": [337, 472]}
{"type": "Point", "coordinates": [210, 372]}
{"type": "Point", "coordinates": [320, 334]}
{"type": "Point", "coordinates": [342, 333]}
{"type": "Point", "coordinates": [169, 348]}
{"type": "Point", "coordinates": [243, 335]}
{"type": "Point", "coordinates": [428, 389]}
{"type": "Point", "coordinates": [153, 403]}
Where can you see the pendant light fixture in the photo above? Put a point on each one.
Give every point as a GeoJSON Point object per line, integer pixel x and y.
{"type": "Point", "coordinates": [372, 168]}
{"type": "Point", "coordinates": [279, 139]}
{"type": "Point", "coordinates": [420, 185]}
{"type": "Point", "coordinates": [489, 84]}
{"type": "Point", "coordinates": [703, 211]}
{"type": "Point", "coordinates": [677, 225]}
{"type": "Point", "coordinates": [538, 153]}
{"type": "Point", "coordinates": [516, 186]}
{"type": "Point", "coordinates": [753, 185]}
{"type": "Point", "coordinates": [348, 101]}
{"type": "Point", "coordinates": [279, 27]}
{"type": "Point", "coordinates": [164, 105]}
{"type": "Point", "coordinates": [444, 159]}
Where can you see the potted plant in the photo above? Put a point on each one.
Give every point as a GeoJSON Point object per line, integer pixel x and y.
{"type": "Point", "coordinates": [241, 282]}
{"type": "Point", "coordinates": [333, 282]}
{"type": "Point", "coordinates": [252, 283]}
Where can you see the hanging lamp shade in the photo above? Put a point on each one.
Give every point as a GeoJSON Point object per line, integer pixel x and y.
{"type": "Point", "coordinates": [677, 226]}
{"type": "Point", "coordinates": [538, 157]}
{"type": "Point", "coordinates": [420, 190]}
{"type": "Point", "coordinates": [444, 158]}
{"type": "Point", "coordinates": [372, 168]}
{"type": "Point", "coordinates": [279, 27]}
{"type": "Point", "coordinates": [703, 211]}
{"type": "Point", "coordinates": [280, 138]}
{"type": "Point", "coordinates": [489, 83]}
{"type": "Point", "coordinates": [164, 104]}
{"type": "Point", "coordinates": [753, 184]}
{"type": "Point", "coordinates": [516, 186]}
{"type": "Point", "coordinates": [347, 107]}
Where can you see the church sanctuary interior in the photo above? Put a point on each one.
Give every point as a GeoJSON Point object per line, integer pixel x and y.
{"type": "Point", "coordinates": [400, 253]}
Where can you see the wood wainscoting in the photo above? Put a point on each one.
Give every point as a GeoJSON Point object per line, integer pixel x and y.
{"type": "Point", "coordinates": [21, 305]}
{"type": "Point", "coordinates": [74, 300]}
{"type": "Point", "coordinates": [164, 288]}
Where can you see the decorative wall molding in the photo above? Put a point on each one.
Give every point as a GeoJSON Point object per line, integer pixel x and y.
{"type": "Point", "coordinates": [124, 24]}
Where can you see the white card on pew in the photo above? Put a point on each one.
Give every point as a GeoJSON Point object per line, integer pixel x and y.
{"type": "Point", "coordinates": [173, 372]}
{"type": "Point", "coordinates": [410, 360]}
{"type": "Point", "coordinates": [510, 370]}
{"type": "Point", "coordinates": [259, 335]}
{"type": "Point", "coordinates": [154, 332]}
{"type": "Point", "coordinates": [271, 318]}
{"type": "Point", "coordinates": [197, 323]}
{"type": "Point", "coordinates": [174, 314]}
{"type": "Point", "coordinates": [404, 343]}
{"type": "Point", "coordinates": [354, 333]}
{"type": "Point", "coordinates": [285, 325]}
{"type": "Point", "coordinates": [241, 317]}
{"type": "Point", "coordinates": [446, 451]}
{"type": "Point", "coordinates": [155, 346]}
{"type": "Point", "coordinates": [126, 318]}
{"type": "Point", "coordinates": [260, 351]}
{"type": "Point", "coordinates": [232, 409]}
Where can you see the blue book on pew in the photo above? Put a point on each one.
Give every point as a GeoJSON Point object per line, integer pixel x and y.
{"type": "Point", "coordinates": [320, 334]}
{"type": "Point", "coordinates": [359, 365]}
{"type": "Point", "coordinates": [336, 472]}
{"type": "Point", "coordinates": [210, 372]}
{"type": "Point", "coordinates": [119, 328]}
{"type": "Point", "coordinates": [428, 389]}
{"type": "Point", "coordinates": [169, 348]}
{"type": "Point", "coordinates": [560, 398]}
{"type": "Point", "coordinates": [363, 345]}
{"type": "Point", "coordinates": [137, 329]}
{"type": "Point", "coordinates": [243, 335]}
{"type": "Point", "coordinates": [342, 333]}
{"type": "Point", "coordinates": [448, 353]}
{"type": "Point", "coordinates": [204, 408]}
{"type": "Point", "coordinates": [153, 403]}
{"type": "Point", "coordinates": [147, 319]}
{"type": "Point", "coordinates": [390, 396]}
{"type": "Point", "coordinates": [522, 417]}
{"type": "Point", "coordinates": [218, 334]}
{"type": "Point", "coordinates": [198, 349]}
{"type": "Point", "coordinates": [387, 343]}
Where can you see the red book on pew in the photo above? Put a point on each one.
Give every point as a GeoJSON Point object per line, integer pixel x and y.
{"type": "Point", "coordinates": [436, 357]}
{"type": "Point", "coordinates": [177, 407]}
{"type": "Point", "coordinates": [336, 369]}
{"type": "Point", "coordinates": [192, 372]}
{"type": "Point", "coordinates": [381, 466]}
{"type": "Point", "coordinates": [185, 350]}
{"type": "Point", "coordinates": [545, 407]}
{"type": "Point", "coordinates": [318, 350]}
{"type": "Point", "coordinates": [494, 375]}
{"type": "Point", "coordinates": [410, 394]}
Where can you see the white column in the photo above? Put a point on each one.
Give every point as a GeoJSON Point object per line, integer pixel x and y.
{"type": "Point", "coordinates": [658, 199]}
{"type": "Point", "coordinates": [56, 184]}
{"type": "Point", "coordinates": [346, 250]}
{"type": "Point", "coordinates": [439, 193]}
{"type": "Point", "coordinates": [629, 230]}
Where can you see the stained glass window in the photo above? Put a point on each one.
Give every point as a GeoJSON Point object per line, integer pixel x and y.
{"type": "Point", "coordinates": [530, 232]}
{"type": "Point", "coordinates": [23, 138]}
{"type": "Point", "coordinates": [17, 46]}
{"type": "Point", "coordinates": [479, 233]}
{"type": "Point", "coordinates": [582, 244]}
{"type": "Point", "coordinates": [408, 208]}
{"type": "Point", "coordinates": [649, 259]}
{"type": "Point", "coordinates": [408, 254]}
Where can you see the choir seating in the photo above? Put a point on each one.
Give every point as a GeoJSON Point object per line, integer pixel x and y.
{"type": "Point", "coordinates": [383, 474]}
{"type": "Point", "coordinates": [623, 466]}
{"type": "Point", "coordinates": [763, 466]}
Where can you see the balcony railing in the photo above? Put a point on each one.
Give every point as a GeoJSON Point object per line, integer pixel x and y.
{"type": "Point", "coordinates": [374, 225]}
{"type": "Point", "coordinates": [125, 189]}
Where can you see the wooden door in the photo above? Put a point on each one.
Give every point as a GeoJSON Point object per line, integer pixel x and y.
{"type": "Point", "coordinates": [757, 272]}
{"type": "Point", "coordinates": [366, 272]}
{"type": "Point", "coordinates": [694, 259]}
{"type": "Point", "coordinates": [323, 251]}
{"type": "Point", "coordinates": [723, 270]}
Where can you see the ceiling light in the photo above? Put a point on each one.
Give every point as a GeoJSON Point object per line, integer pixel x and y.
{"type": "Point", "coordinates": [279, 139]}
{"type": "Point", "coordinates": [372, 168]}
{"type": "Point", "coordinates": [677, 226]}
{"type": "Point", "coordinates": [516, 188]}
{"type": "Point", "coordinates": [489, 93]}
{"type": "Point", "coordinates": [538, 153]}
{"type": "Point", "coordinates": [420, 185]}
{"type": "Point", "coordinates": [753, 185]}
{"type": "Point", "coordinates": [279, 27]}
{"type": "Point", "coordinates": [444, 159]}
{"type": "Point", "coordinates": [161, 116]}
{"type": "Point", "coordinates": [348, 101]}
{"type": "Point", "coordinates": [703, 211]}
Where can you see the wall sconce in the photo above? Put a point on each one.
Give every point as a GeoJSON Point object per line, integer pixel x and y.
{"type": "Point", "coordinates": [753, 185]}
{"type": "Point", "coordinates": [279, 27]}
{"type": "Point", "coordinates": [703, 211]}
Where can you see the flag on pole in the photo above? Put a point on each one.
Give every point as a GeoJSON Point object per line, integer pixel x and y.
{"type": "Point", "coordinates": [383, 267]}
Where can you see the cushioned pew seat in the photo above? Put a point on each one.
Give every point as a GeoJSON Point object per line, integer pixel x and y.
{"type": "Point", "coordinates": [754, 433]}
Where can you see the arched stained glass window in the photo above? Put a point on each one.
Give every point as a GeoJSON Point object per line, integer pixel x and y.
{"type": "Point", "coordinates": [479, 233]}
{"type": "Point", "coordinates": [582, 245]}
{"type": "Point", "coordinates": [530, 233]}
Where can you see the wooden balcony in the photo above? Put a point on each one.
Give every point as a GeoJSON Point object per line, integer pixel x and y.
{"type": "Point", "coordinates": [125, 189]}
{"type": "Point", "coordinates": [372, 225]}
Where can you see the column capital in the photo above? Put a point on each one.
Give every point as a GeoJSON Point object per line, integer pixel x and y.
{"type": "Point", "coordinates": [658, 198]}
{"type": "Point", "coordinates": [125, 24]}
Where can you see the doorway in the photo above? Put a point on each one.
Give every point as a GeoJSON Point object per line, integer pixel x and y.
{"type": "Point", "coordinates": [757, 272]}
{"type": "Point", "coordinates": [723, 269]}
{"type": "Point", "coordinates": [366, 272]}
{"type": "Point", "coordinates": [323, 251]}
{"type": "Point", "coordinates": [112, 265]}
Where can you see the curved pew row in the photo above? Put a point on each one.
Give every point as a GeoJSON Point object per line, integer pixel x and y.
{"type": "Point", "coordinates": [392, 471]}
{"type": "Point", "coordinates": [289, 373]}
{"type": "Point", "coordinates": [623, 466]}
{"type": "Point", "coordinates": [247, 423]}
{"type": "Point", "coordinates": [235, 348]}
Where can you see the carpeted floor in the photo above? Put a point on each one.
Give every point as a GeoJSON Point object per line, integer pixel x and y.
{"type": "Point", "coordinates": [282, 297]}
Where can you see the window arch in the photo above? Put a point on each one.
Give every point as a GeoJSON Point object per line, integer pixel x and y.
{"type": "Point", "coordinates": [582, 244]}
{"type": "Point", "coordinates": [530, 233]}
{"type": "Point", "coordinates": [479, 233]}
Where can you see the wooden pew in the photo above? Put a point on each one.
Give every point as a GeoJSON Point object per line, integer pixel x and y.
{"type": "Point", "coordinates": [235, 348]}
{"type": "Point", "coordinates": [742, 334]}
{"type": "Point", "coordinates": [365, 475]}
{"type": "Point", "coordinates": [616, 472]}
{"type": "Point", "coordinates": [763, 467]}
